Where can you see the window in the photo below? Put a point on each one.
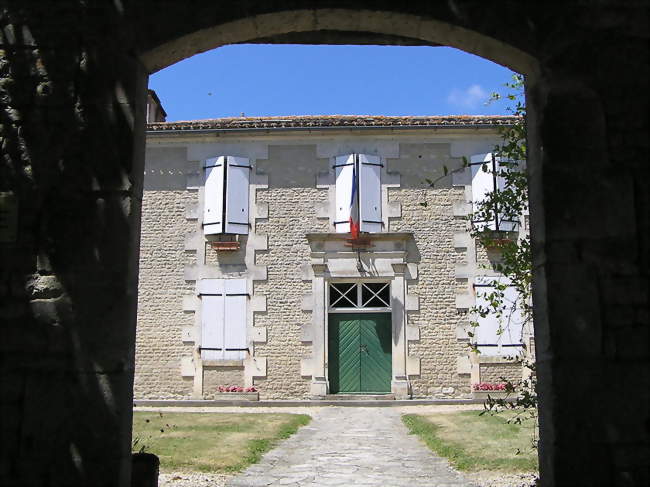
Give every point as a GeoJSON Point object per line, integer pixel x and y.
{"type": "Point", "coordinates": [225, 200]}
{"type": "Point", "coordinates": [486, 179]}
{"type": "Point", "coordinates": [359, 295]}
{"type": "Point", "coordinates": [223, 319]}
{"type": "Point", "coordinates": [358, 194]}
{"type": "Point", "coordinates": [499, 335]}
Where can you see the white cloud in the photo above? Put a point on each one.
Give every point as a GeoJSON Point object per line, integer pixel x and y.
{"type": "Point", "coordinates": [468, 98]}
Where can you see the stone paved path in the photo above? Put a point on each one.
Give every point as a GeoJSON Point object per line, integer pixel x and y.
{"type": "Point", "coordinates": [352, 447]}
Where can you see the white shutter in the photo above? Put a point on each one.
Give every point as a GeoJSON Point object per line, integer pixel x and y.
{"type": "Point", "coordinates": [486, 335]}
{"type": "Point", "coordinates": [482, 184]}
{"type": "Point", "coordinates": [213, 196]}
{"type": "Point", "coordinates": [513, 321]}
{"type": "Point", "coordinates": [235, 318]}
{"type": "Point", "coordinates": [370, 193]}
{"type": "Point", "coordinates": [237, 184]}
{"type": "Point", "coordinates": [212, 318]}
{"type": "Point", "coordinates": [506, 224]}
{"type": "Point", "coordinates": [344, 180]}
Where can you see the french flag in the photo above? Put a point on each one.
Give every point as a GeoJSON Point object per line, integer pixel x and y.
{"type": "Point", "coordinates": [354, 202]}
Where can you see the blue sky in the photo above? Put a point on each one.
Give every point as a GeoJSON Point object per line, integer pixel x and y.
{"type": "Point", "coordinates": [267, 80]}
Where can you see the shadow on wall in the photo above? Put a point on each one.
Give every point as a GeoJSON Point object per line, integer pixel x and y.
{"type": "Point", "coordinates": [69, 278]}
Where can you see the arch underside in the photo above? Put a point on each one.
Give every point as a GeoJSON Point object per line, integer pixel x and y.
{"type": "Point", "coordinates": [338, 26]}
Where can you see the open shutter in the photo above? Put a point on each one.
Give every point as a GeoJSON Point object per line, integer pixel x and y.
{"type": "Point", "coordinates": [213, 196]}
{"type": "Point", "coordinates": [237, 184]}
{"type": "Point", "coordinates": [212, 318]}
{"type": "Point", "coordinates": [235, 319]}
{"type": "Point", "coordinates": [344, 169]}
{"type": "Point", "coordinates": [482, 184]}
{"type": "Point", "coordinates": [507, 223]}
{"type": "Point", "coordinates": [370, 193]}
{"type": "Point", "coordinates": [487, 337]}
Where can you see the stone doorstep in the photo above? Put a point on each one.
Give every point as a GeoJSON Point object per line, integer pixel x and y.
{"type": "Point", "coordinates": [355, 397]}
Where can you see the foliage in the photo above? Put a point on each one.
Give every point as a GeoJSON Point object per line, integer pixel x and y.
{"type": "Point", "coordinates": [509, 202]}
{"type": "Point", "coordinates": [141, 444]}
{"type": "Point", "coordinates": [516, 257]}
{"type": "Point", "coordinates": [521, 402]}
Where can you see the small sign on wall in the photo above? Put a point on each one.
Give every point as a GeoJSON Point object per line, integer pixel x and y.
{"type": "Point", "coordinates": [8, 217]}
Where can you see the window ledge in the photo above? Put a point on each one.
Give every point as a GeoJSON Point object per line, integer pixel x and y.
{"type": "Point", "coordinates": [222, 363]}
{"type": "Point", "coordinates": [499, 359]}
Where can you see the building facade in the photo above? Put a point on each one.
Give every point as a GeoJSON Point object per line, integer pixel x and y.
{"type": "Point", "coordinates": [310, 256]}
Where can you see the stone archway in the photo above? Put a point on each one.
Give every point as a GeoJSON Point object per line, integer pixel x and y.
{"type": "Point", "coordinates": [74, 79]}
{"type": "Point", "coordinates": [385, 27]}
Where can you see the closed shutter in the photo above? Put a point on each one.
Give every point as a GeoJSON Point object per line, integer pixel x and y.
{"type": "Point", "coordinates": [513, 321]}
{"type": "Point", "coordinates": [212, 318]}
{"type": "Point", "coordinates": [235, 318]}
{"type": "Point", "coordinates": [223, 319]}
{"type": "Point", "coordinates": [498, 336]}
{"type": "Point", "coordinates": [237, 183]}
{"type": "Point", "coordinates": [370, 193]}
{"type": "Point", "coordinates": [344, 169]}
{"type": "Point", "coordinates": [507, 223]}
{"type": "Point", "coordinates": [213, 195]}
{"type": "Point", "coordinates": [483, 180]}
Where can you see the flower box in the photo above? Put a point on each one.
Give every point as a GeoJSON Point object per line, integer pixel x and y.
{"type": "Point", "coordinates": [493, 394]}
{"type": "Point", "coordinates": [232, 246]}
{"type": "Point", "coordinates": [236, 396]}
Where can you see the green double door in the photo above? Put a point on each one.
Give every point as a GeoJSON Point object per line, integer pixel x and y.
{"type": "Point", "coordinates": [360, 352]}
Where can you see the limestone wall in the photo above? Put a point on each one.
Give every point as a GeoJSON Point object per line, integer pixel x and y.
{"type": "Point", "coordinates": [293, 204]}
{"type": "Point", "coordinates": [495, 372]}
{"type": "Point", "coordinates": [159, 345]}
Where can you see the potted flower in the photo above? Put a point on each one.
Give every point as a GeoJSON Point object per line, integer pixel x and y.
{"type": "Point", "coordinates": [236, 393]}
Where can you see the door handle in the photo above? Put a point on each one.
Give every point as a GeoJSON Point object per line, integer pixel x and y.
{"type": "Point", "coordinates": [362, 348]}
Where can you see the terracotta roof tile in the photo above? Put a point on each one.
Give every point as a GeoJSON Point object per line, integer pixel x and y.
{"type": "Point", "coordinates": [321, 121]}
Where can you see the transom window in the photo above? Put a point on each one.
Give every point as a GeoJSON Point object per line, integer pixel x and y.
{"type": "Point", "coordinates": [359, 295]}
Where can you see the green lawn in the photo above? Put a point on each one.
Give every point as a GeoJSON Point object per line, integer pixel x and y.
{"type": "Point", "coordinates": [211, 442]}
{"type": "Point", "coordinates": [473, 443]}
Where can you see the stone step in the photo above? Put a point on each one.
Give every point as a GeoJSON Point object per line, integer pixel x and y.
{"type": "Point", "coordinates": [357, 397]}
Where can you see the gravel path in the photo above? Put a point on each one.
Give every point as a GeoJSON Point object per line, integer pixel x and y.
{"type": "Point", "coordinates": [345, 446]}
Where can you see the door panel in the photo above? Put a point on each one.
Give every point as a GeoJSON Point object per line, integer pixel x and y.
{"type": "Point", "coordinates": [360, 352]}
{"type": "Point", "coordinates": [375, 351]}
{"type": "Point", "coordinates": [344, 361]}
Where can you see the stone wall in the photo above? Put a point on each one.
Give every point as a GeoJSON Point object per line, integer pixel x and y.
{"type": "Point", "coordinates": [215, 376]}
{"type": "Point", "coordinates": [291, 215]}
{"type": "Point", "coordinates": [493, 372]}
{"type": "Point", "coordinates": [159, 345]}
{"type": "Point", "coordinates": [428, 213]}
{"type": "Point", "coordinates": [295, 203]}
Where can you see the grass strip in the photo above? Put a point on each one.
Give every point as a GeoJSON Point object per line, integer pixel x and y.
{"type": "Point", "coordinates": [426, 430]}
{"type": "Point", "coordinates": [480, 442]}
{"type": "Point", "coordinates": [258, 447]}
{"type": "Point", "coordinates": [211, 442]}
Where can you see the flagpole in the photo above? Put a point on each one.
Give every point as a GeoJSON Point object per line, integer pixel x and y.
{"type": "Point", "coordinates": [358, 168]}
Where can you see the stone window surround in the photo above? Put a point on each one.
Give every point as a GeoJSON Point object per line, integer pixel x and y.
{"type": "Point", "coordinates": [254, 366]}
{"type": "Point", "coordinates": [331, 261]}
{"type": "Point", "coordinates": [469, 363]}
{"type": "Point", "coordinates": [389, 179]}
